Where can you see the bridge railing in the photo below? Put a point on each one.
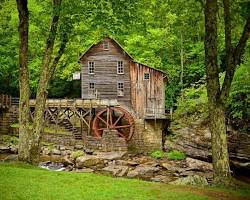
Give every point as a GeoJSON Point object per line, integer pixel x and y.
{"type": "Point", "coordinates": [5, 101]}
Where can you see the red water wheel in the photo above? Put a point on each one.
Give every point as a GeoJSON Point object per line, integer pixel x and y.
{"type": "Point", "coordinates": [115, 118]}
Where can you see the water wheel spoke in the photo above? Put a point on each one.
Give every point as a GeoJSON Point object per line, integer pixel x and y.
{"type": "Point", "coordinates": [101, 129]}
{"type": "Point", "coordinates": [121, 134]}
{"type": "Point", "coordinates": [114, 118]}
{"type": "Point", "coordinates": [110, 116]}
{"type": "Point", "coordinates": [123, 126]}
{"type": "Point", "coordinates": [102, 120]}
{"type": "Point", "coordinates": [119, 118]}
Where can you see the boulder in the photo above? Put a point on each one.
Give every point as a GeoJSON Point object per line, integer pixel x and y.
{"type": "Point", "coordinates": [11, 157]}
{"type": "Point", "coordinates": [55, 152]}
{"type": "Point", "coordinates": [4, 149]}
{"type": "Point", "coordinates": [116, 170]}
{"type": "Point", "coordinates": [113, 155]}
{"type": "Point", "coordinates": [89, 161]}
{"type": "Point", "coordinates": [126, 163]}
{"type": "Point", "coordinates": [69, 168]}
{"type": "Point", "coordinates": [45, 151]}
{"type": "Point", "coordinates": [162, 178]}
{"type": "Point", "coordinates": [84, 170]}
{"type": "Point", "coordinates": [62, 148]}
{"type": "Point", "coordinates": [171, 167]}
{"type": "Point", "coordinates": [79, 147]}
{"type": "Point", "coordinates": [143, 171]}
{"type": "Point", "coordinates": [198, 165]}
{"type": "Point", "coordinates": [240, 165]}
{"type": "Point", "coordinates": [195, 141]}
{"type": "Point", "coordinates": [67, 161]}
{"type": "Point", "coordinates": [191, 180]}
{"type": "Point", "coordinates": [88, 151]}
{"type": "Point", "coordinates": [14, 150]}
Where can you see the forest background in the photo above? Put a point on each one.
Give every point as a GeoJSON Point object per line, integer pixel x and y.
{"type": "Point", "coordinates": [165, 34]}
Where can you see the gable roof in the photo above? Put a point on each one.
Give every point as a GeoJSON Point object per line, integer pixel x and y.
{"type": "Point", "coordinates": [87, 50]}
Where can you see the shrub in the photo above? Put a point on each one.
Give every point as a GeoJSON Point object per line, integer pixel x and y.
{"type": "Point", "coordinates": [76, 154]}
{"type": "Point", "coordinates": [193, 101]}
{"type": "Point", "coordinates": [157, 154]}
{"type": "Point", "coordinates": [176, 155]}
{"type": "Point", "coordinates": [9, 140]}
{"type": "Point", "coordinates": [238, 103]}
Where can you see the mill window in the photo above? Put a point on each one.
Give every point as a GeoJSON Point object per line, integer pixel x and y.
{"type": "Point", "coordinates": [120, 88]}
{"type": "Point", "coordinates": [91, 90]}
{"type": "Point", "coordinates": [146, 76]}
{"type": "Point", "coordinates": [91, 85]}
{"type": "Point", "coordinates": [91, 67]}
{"type": "Point", "coordinates": [106, 45]}
{"type": "Point", "coordinates": [120, 68]}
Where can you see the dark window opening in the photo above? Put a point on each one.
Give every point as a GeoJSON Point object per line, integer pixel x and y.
{"type": "Point", "coordinates": [120, 88]}
{"type": "Point", "coordinates": [120, 68]}
{"type": "Point", "coordinates": [91, 85]}
{"type": "Point", "coordinates": [146, 76]}
{"type": "Point", "coordinates": [91, 67]}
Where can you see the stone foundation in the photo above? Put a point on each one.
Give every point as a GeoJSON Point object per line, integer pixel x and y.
{"type": "Point", "coordinates": [8, 117]}
{"type": "Point", "coordinates": [147, 136]}
{"type": "Point", "coordinates": [110, 141]}
{"type": "Point", "coordinates": [60, 139]}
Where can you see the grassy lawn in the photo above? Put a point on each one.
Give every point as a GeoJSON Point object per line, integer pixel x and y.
{"type": "Point", "coordinates": [24, 182]}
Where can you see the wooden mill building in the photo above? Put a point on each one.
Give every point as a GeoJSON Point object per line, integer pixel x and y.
{"type": "Point", "coordinates": [109, 72]}
{"type": "Point", "coordinates": [122, 104]}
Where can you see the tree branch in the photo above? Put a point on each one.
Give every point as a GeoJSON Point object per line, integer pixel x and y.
{"type": "Point", "coordinates": [59, 54]}
{"type": "Point", "coordinates": [237, 53]}
{"type": "Point", "coordinates": [239, 49]}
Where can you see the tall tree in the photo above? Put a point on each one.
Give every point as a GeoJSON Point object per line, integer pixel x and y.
{"type": "Point", "coordinates": [24, 135]}
{"type": "Point", "coordinates": [43, 83]}
{"type": "Point", "coordinates": [216, 95]}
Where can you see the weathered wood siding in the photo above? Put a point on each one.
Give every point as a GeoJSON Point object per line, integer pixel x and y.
{"type": "Point", "coordinates": [105, 76]}
{"type": "Point", "coordinates": [147, 96]}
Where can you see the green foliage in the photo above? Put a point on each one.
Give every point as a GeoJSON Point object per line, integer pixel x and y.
{"type": "Point", "coordinates": [76, 154]}
{"type": "Point", "coordinates": [158, 154]}
{"type": "Point", "coordinates": [9, 140]}
{"type": "Point", "coordinates": [149, 30]}
{"type": "Point", "coordinates": [238, 104]}
{"type": "Point", "coordinates": [192, 102]}
{"type": "Point", "coordinates": [176, 155]}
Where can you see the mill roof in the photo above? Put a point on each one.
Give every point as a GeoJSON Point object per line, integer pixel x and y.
{"type": "Point", "coordinates": [121, 47]}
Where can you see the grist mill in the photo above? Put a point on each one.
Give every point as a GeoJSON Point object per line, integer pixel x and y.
{"type": "Point", "coordinates": [122, 104]}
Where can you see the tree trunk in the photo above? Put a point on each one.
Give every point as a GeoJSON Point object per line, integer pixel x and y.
{"type": "Point", "coordinates": [43, 84]}
{"type": "Point", "coordinates": [215, 104]}
{"type": "Point", "coordinates": [220, 155]}
{"type": "Point", "coordinates": [23, 150]}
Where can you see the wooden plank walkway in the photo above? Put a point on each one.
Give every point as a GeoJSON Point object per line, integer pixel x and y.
{"type": "Point", "coordinates": [77, 103]}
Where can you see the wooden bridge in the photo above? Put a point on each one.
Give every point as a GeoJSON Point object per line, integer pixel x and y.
{"type": "Point", "coordinates": [75, 115]}
{"type": "Point", "coordinates": [86, 116]}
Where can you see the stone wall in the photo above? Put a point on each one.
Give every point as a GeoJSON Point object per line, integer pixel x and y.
{"type": "Point", "coordinates": [110, 141]}
{"type": "Point", "coordinates": [60, 139]}
{"type": "Point", "coordinates": [147, 136]}
{"type": "Point", "coordinates": [8, 117]}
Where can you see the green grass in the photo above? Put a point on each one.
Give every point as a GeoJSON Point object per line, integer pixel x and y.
{"type": "Point", "coordinates": [24, 182]}
{"type": "Point", "coordinates": [176, 155]}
